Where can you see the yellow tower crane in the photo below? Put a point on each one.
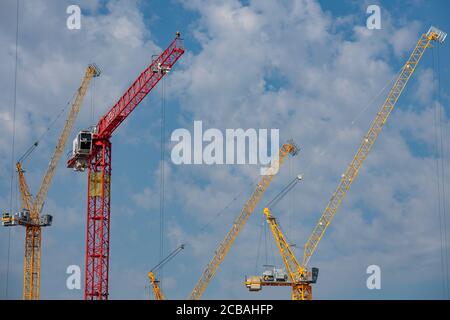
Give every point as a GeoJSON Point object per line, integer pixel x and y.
{"type": "Point", "coordinates": [348, 177]}
{"type": "Point", "coordinates": [300, 278]}
{"type": "Point", "coordinates": [30, 215]}
{"type": "Point", "coordinates": [238, 224]}
{"type": "Point", "coordinates": [157, 293]}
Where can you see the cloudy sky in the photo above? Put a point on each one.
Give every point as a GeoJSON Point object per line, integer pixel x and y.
{"type": "Point", "coordinates": [308, 68]}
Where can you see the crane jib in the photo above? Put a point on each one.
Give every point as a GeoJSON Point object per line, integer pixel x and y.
{"type": "Point", "coordinates": [30, 216]}
{"type": "Point", "coordinates": [225, 245]}
{"type": "Point", "coordinates": [139, 89]}
{"type": "Point", "coordinates": [368, 141]}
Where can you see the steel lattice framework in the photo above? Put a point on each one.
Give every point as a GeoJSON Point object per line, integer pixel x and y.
{"type": "Point", "coordinates": [368, 141]}
{"type": "Point", "coordinates": [99, 168]}
{"type": "Point", "coordinates": [298, 274]}
{"type": "Point", "coordinates": [98, 220]}
{"type": "Point", "coordinates": [239, 223]}
{"type": "Point", "coordinates": [301, 287]}
{"type": "Point", "coordinates": [31, 265]}
{"type": "Point", "coordinates": [157, 293]}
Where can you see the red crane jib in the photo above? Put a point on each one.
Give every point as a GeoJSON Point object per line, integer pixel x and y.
{"type": "Point", "coordinates": [139, 89]}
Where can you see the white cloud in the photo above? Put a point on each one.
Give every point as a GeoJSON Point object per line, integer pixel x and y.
{"type": "Point", "coordinates": [146, 199]}
{"type": "Point", "coordinates": [52, 61]}
{"type": "Point", "coordinates": [327, 79]}
{"type": "Point", "coordinates": [268, 64]}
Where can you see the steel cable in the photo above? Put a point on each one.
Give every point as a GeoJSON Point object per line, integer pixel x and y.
{"type": "Point", "coordinates": [13, 145]}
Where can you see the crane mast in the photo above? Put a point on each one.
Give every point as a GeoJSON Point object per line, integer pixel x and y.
{"type": "Point", "coordinates": [369, 139]}
{"type": "Point", "coordinates": [31, 266]}
{"type": "Point", "coordinates": [238, 224]}
{"type": "Point", "coordinates": [92, 150]}
{"type": "Point", "coordinates": [30, 215]}
{"type": "Point", "coordinates": [157, 293]}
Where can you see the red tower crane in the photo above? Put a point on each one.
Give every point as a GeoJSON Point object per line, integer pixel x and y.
{"type": "Point", "coordinates": [92, 150]}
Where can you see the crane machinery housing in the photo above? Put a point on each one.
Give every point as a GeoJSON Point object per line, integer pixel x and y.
{"type": "Point", "coordinates": [241, 220]}
{"type": "Point", "coordinates": [92, 150]}
{"type": "Point", "coordinates": [294, 268]}
{"type": "Point", "coordinates": [29, 216]}
{"type": "Point", "coordinates": [300, 277]}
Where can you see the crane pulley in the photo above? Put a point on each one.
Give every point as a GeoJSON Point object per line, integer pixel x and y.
{"type": "Point", "coordinates": [157, 292]}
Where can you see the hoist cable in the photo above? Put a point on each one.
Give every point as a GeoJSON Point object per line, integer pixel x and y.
{"type": "Point", "coordinates": [227, 206]}
{"type": "Point", "coordinates": [13, 145]}
{"type": "Point", "coordinates": [439, 177]}
{"type": "Point", "coordinates": [161, 181]}
{"type": "Point", "coordinates": [291, 197]}
{"type": "Point", "coordinates": [168, 258]}
{"type": "Point", "coordinates": [258, 250]}
{"type": "Point", "coordinates": [443, 172]}
{"type": "Point", "coordinates": [279, 196]}
{"type": "Point", "coordinates": [368, 106]}
{"type": "Point", "coordinates": [33, 147]}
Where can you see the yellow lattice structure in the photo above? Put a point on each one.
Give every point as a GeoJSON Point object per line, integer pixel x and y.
{"type": "Point", "coordinates": [300, 278]}
{"type": "Point", "coordinates": [368, 141]}
{"type": "Point", "coordinates": [157, 293]}
{"type": "Point", "coordinates": [238, 224]}
{"type": "Point", "coordinates": [30, 215]}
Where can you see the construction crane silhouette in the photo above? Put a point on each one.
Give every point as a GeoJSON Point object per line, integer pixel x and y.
{"type": "Point", "coordinates": [30, 216]}
{"type": "Point", "coordinates": [92, 150]}
{"type": "Point", "coordinates": [301, 282]}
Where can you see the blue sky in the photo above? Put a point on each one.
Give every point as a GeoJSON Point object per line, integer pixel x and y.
{"type": "Point", "coordinates": [305, 67]}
